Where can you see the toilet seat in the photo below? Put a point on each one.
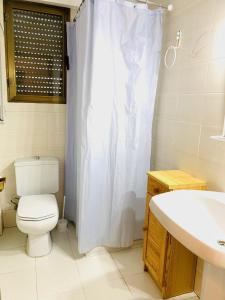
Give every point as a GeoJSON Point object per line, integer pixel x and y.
{"type": "Point", "coordinates": [37, 207]}
{"type": "Point", "coordinates": [36, 219]}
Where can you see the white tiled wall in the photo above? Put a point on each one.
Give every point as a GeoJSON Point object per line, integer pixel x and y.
{"type": "Point", "coordinates": [191, 96]}
{"type": "Point", "coordinates": [30, 129]}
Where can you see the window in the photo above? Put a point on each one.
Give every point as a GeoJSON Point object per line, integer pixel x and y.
{"type": "Point", "coordinates": [36, 52]}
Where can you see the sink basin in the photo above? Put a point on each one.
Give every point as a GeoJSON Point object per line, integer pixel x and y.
{"type": "Point", "coordinates": [197, 220]}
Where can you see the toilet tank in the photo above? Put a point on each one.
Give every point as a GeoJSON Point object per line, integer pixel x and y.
{"type": "Point", "coordinates": [37, 175]}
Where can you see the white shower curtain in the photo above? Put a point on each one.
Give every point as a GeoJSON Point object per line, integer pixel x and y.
{"type": "Point", "coordinates": [114, 52]}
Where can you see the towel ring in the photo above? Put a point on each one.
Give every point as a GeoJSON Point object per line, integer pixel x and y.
{"type": "Point", "coordinates": [174, 49]}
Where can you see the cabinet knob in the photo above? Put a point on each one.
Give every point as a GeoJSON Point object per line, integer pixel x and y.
{"type": "Point", "coordinates": [144, 228]}
{"type": "Point", "coordinates": [156, 190]}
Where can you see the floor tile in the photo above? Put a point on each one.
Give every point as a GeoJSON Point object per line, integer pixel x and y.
{"type": "Point", "coordinates": [12, 238]}
{"type": "Point", "coordinates": [18, 285]}
{"type": "Point", "coordinates": [142, 287]}
{"type": "Point", "coordinates": [103, 289]}
{"type": "Point", "coordinates": [70, 295]}
{"type": "Point", "coordinates": [189, 296]}
{"type": "Point", "coordinates": [136, 244]}
{"type": "Point", "coordinates": [15, 260]}
{"type": "Point", "coordinates": [95, 268]}
{"type": "Point", "coordinates": [129, 261]}
{"type": "Point", "coordinates": [97, 251]}
{"type": "Point", "coordinates": [73, 240]}
{"type": "Point", "coordinates": [64, 274]}
{"type": "Point", "coordinates": [57, 273]}
{"type": "Point", "coordinates": [61, 243]}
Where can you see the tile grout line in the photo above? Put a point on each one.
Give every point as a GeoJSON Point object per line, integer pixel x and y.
{"type": "Point", "coordinates": [82, 286]}
{"type": "Point", "coordinates": [127, 285]}
{"type": "Point", "coordinates": [36, 278]}
{"type": "Point", "coordinates": [122, 276]}
{"type": "Point", "coordinates": [77, 269]}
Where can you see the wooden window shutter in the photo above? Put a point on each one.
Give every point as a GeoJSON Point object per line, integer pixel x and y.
{"type": "Point", "coordinates": [36, 51]}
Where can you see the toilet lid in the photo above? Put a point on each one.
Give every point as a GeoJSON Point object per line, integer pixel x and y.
{"type": "Point", "coordinates": [37, 207]}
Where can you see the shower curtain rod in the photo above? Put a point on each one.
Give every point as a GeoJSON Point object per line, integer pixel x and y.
{"type": "Point", "coordinates": [169, 7]}
{"type": "Point", "coordinates": [79, 8]}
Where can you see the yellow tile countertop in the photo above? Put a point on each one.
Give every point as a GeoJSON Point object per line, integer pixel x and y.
{"type": "Point", "coordinates": [2, 183]}
{"type": "Point", "coordinates": [176, 179]}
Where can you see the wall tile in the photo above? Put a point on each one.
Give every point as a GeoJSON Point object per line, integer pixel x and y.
{"type": "Point", "coordinates": [218, 42]}
{"type": "Point", "coordinates": [190, 108]}
{"type": "Point", "coordinates": [193, 79]}
{"type": "Point", "coordinates": [166, 105]}
{"type": "Point", "coordinates": [198, 83]}
{"type": "Point", "coordinates": [213, 109]}
{"type": "Point", "coordinates": [216, 76]}
{"type": "Point", "coordinates": [209, 149]}
{"type": "Point", "coordinates": [27, 132]}
{"type": "Point", "coordinates": [186, 138]}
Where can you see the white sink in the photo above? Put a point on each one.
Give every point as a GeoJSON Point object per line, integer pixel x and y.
{"type": "Point", "coordinates": [197, 220]}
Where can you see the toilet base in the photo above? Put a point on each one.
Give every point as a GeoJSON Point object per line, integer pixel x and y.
{"type": "Point", "coordinates": [39, 245]}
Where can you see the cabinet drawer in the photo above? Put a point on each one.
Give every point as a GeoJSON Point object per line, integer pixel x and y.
{"type": "Point", "coordinates": [154, 187]}
{"type": "Point", "coordinates": [156, 231]}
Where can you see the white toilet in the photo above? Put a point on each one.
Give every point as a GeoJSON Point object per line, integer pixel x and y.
{"type": "Point", "coordinates": [37, 179]}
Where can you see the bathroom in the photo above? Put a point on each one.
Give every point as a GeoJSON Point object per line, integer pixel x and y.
{"type": "Point", "coordinates": [185, 133]}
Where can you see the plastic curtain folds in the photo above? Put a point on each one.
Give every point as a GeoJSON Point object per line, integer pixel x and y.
{"type": "Point", "coordinates": [114, 52]}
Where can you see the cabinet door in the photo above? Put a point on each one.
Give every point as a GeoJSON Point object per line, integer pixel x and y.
{"type": "Point", "coordinates": [180, 267]}
{"type": "Point", "coordinates": [156, 248]}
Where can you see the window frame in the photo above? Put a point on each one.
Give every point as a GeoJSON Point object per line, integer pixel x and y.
{"type": "Point", "coordinates": [9, 5]}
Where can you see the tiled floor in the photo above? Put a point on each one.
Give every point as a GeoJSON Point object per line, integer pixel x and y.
{"type": "Point", "coordinates": [66, 275]}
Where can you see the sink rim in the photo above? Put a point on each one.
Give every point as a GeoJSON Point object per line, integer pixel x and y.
{"type": "Point", "coordinates": [208, 250]}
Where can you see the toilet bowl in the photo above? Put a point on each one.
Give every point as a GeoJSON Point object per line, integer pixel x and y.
{"type": "Point", "coordinates": [37, 213]}
{"type": "Point", "coordinates": [36, 216]}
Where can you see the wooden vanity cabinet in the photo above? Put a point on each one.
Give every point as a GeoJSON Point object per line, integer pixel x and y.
{"type": "Point", "coordinates": [2, 183]}
{"type": "Point", "coordinates": [169, 263]}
